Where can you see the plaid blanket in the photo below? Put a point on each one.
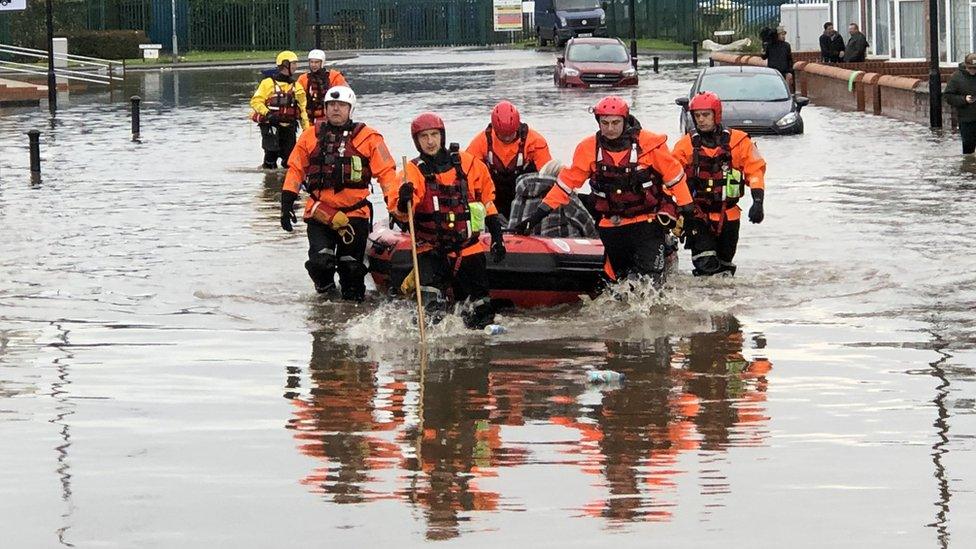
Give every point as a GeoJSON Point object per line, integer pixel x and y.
{"type": "Point", "coordinates": [570, 221]}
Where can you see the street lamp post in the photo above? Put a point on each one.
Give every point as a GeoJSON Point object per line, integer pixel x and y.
{"type": "Point", "coordinates": [176, 50]}
{"type": "Point", "coordinates": [935, 78]}
{"type": "Point", "coordinates": [318, 25]}
{"type": "Point", "coordinates": [633, 34]}
{"type": "Point", "coordinates": [52, 83]}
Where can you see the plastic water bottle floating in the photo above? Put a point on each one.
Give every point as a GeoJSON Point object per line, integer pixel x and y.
{"type": "Point", "coordinates": [495, 329]}
{"type": "Point", "coordinates": [604, 376]}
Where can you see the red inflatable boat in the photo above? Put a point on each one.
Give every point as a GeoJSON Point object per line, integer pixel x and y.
{"type": "Point", "coordinates": [536, 272]}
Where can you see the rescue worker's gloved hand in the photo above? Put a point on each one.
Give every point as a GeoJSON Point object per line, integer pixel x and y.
{"type": "Point", "coordinates": [272, 118]}
{"type": "Point", "coordinates": [288, 199]}
{"type": "Point", "coordinates": [526, 226]}
{"type": "Point", "coordinates": [756, 214]}
{"type": "Point", "coordinates": [498, 250]}
{"type": "Point", "coordinates": [405, 197]}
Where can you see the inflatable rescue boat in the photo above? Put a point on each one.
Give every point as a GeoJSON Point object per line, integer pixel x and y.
{"type": "Point", "coordinates": [537, 271]}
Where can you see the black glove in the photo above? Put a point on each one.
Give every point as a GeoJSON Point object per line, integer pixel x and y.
{"type": "Point", "coordinates": [405, 197]}
{"type": "Point", "coordinates": [288, 199]}
{"type": "Point", "coordinates": [498, 250]}
{"type": "Point", "coordinates": [526, 226]}
{"type": "Point", "coordinates": [272, 118]}
{"type": "Point", "coordinates": [756, 214]}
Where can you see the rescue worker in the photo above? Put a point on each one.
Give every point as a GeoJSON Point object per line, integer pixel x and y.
{"type": "Point", "coordinates": [510, 149]}
{"type": "Point", "coordinates": [635, 183]}
{"type": "Point", "coordinates": [450, 190]}
{"type": "Point", "coordinates": [316, 82]}
{"type": "Point", "coordinates": [719, 163]}
{"type": "Point", "coordinates": [336, 159]}
{"type": "Point", "coordinates": [278, 105]}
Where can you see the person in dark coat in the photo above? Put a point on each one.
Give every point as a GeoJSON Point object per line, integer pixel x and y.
{"type": "Point", "coordinates": [857, 45]}
{"type": "Point", "coordinates": [960, 92]}
{"type": "Point", "coordinates": [778, 54]}
{"type": "Point", "coordinates": [831, 44]}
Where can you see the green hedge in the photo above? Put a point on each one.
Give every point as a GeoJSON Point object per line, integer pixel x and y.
{"type": "Point", "coordinates": [107, 44]}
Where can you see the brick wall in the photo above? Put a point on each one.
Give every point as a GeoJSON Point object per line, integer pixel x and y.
{"type": "Point", "coordinates": [895, 89]}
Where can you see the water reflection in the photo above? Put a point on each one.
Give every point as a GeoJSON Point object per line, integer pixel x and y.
{"type": "Point", "coordinates": [381, 433]}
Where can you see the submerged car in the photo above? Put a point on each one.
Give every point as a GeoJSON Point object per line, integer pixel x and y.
{"type": "Point", "coordinates": [595, 62]}
{"type": "Point", "coordinates": [756, 100]}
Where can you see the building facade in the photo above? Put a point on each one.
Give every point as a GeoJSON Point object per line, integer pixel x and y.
{"type": "Point", "coordinates": [898, 29]}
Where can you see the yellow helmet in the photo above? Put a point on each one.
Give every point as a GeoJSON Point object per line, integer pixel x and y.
{"type": "Point", "coordinates": [286, 56]}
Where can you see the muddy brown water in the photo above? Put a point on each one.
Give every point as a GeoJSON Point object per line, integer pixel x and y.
{"type": "Point", "coordinates": [169, 378]}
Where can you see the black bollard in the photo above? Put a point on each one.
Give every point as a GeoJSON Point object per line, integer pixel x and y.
{"type": "Point", "coordinates": [694, 52]}
{"type": "Point", "coordinates": [34, 137]}
{"type": "Point", "coordinates": [711, 62]}
{"type": "Point", "coordinates": [135, 99]}
{"type": "Point", "coordinates": [656, 60]}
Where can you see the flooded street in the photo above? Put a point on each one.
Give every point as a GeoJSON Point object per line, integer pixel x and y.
{"type": "Point", "coordinates": [169, 377]}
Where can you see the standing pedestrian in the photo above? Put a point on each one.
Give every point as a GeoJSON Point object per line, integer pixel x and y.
{"type": "Point", "coordinates": [857, 45]}
{"type": "Point", "coordinates": [779, 55]}
{"type": "Point", "coordinates": [960, 92]}
{"type": "Point", "coordinates": [831, 44]}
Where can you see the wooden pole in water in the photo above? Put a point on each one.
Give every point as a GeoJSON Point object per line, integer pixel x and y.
{"type": "Point", "coordinates": [421, 321]}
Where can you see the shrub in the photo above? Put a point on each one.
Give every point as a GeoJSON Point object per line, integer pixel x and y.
{"type": "Point", "coordinates": [107, 44]}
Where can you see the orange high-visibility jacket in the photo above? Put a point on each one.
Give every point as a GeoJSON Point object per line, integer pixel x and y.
{"type": "Point", "coordinates": [480, 189]}
{"type": "Point", "coordinates": [367, 143]}
{"type": "Point", "coordinates": [745, 158]}
{"type": "Point", "coordinates": [536, 149]}
{"type": "Point", "coordinates": [654, 154]}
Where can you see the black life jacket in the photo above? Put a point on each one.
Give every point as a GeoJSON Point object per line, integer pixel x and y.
{"type": "Point", "coordinates": [443, 217]}
{"type": "Point", "coordinates": [318, 84]}
{"type": "Point", "coordinates": [335, 163]}
{"type": "Point", "coordinates": [625, 189]}
{"type": "Point", "coordinates": [708, 174]}
{"type": "Point", "coordinates": [283, 103]}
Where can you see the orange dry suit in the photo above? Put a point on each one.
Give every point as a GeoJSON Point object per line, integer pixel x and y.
{"type": "Point", "coordinates": [717, 176]}
{"type": "Point", "coordinates": [441, 203]}
{"type": "Point", "coordinates": [507, 161]}
{"type": "Point", "coordinates": [631, 183]}
{"type": "Point", "coordinates": [337, 164]}
{"type": "Point", "coordinates": [315, 85]}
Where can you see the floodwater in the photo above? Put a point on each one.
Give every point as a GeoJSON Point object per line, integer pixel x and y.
{"type": "Point", "coordinates": [168, 378]}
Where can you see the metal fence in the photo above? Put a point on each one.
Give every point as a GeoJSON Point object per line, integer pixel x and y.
{"type": "Point", "coordinates": [686, 20]}
{"type": "Point", "coordinates": [359, 24]}
{"type": "Point", "coordinates": [273, 24]}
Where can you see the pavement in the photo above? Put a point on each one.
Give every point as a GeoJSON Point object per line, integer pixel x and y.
{"type": "Point", "coordinates": [137, 66]}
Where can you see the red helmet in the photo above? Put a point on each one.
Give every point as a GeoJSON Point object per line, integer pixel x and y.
{"type": "Point", "coordinates": [426, 121]}
{"type": "Point", "coordinates": [707, 101]}
{"type": "Point", "coordinates": [505, 119]}
{"type": "Point", "coordinates": [611, 105]}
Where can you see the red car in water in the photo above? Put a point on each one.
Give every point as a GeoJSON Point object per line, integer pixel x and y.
{"type": "Point", "coordinates": [595, 62]}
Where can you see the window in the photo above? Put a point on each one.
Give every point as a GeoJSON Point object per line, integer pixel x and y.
{"type": "Point", "coordinates": [883, 30]}
{"type": "Point", "coordinates": [961, 37]}
{"type": "Point", "coordinates": [598, 53]}
{"type": "Point", "coordinates": [847, 13]}
{"type": "Point", "coordinates": [746, 86]}
{"type": "Point", "coordinates": [911, 34]}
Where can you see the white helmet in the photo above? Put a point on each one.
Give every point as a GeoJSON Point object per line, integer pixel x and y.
{"type": "Point", "coordinates": [316, 54]}
{"type": "Point", "coordinates": [343, 94]}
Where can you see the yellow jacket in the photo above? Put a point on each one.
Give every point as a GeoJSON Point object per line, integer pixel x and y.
{"type": "Point", "coordinates": [268, 87]}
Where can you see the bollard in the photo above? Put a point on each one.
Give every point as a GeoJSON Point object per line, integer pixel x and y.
{"type": "Point", "coordinates": [35, 151]}
{"type": "Point", "coordinates": [656, 60]}
{"type": "Point", "coordinates": [135, 99]}
{"type": "Point", "coordinates": [711, 62]}
{"type": "Point", "coordinates": [694, 52]}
